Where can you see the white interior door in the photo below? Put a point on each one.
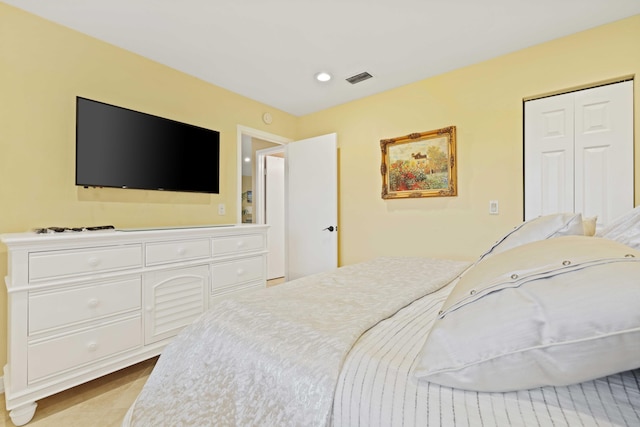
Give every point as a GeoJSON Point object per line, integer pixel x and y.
{"type": "Point", "coordinates": [311, 175]}
{"type": "Point", "coordinates": [579, 153]}
{"type": "Point", "coordinates": [604, 151]}
{"type": "Point", "coordinates": [548, 154]}
{"type": "Point", "coordinates": [274, 215]}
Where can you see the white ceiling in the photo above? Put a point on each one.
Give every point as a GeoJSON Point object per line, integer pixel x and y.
{"type": "Point", "coordinates": [269, 50]}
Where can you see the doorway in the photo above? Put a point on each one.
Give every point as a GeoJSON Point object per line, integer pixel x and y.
{"type": "Point", "coordinates": [310, 198]}
{"type": "Point", "coordinates": [253, 195]}
{"type": "Point", "coordinates": [270, 207]}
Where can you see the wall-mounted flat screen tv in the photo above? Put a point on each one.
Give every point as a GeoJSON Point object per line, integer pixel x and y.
{"type": "Point", "coordinates": [119, 147]}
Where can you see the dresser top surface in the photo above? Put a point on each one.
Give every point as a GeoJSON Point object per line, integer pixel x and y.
{"type": "Point", "coordinates": [152, 233]}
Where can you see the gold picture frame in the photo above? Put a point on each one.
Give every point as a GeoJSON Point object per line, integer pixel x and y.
{"type": "Point", "coordinates": [420, 165]}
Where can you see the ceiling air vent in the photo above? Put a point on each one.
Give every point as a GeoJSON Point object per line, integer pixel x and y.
{"type": "Point", "coordinates": [359, 78]}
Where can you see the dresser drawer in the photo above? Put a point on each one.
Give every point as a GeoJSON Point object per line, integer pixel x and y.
{"type": "Point", "coordinates": [229, 273]}
{"type": "Point", "coordinates": [237, 244]}
{"type": "Point", "coordinates": [71, 351]}
{"type": "Point", "coordinates": [185, 250]}
{"type": "Point", "coordinates": [48, 265]}
{"type": "Point", "coordinates": [49, 310]}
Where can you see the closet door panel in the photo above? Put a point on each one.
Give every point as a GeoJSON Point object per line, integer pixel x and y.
{"type": "Point", "coordinates": [592, 182]}
{"type": "Point", "coordinates": [604, 151]}
{"type": "Point", "coordinates": [549, 153]}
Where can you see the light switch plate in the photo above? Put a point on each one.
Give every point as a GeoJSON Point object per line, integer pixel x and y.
{"type": "Point", "coordinates": [494, 209]}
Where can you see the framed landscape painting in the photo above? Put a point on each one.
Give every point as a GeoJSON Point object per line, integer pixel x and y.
{"type": "Point", "coordinates": [420, 165]}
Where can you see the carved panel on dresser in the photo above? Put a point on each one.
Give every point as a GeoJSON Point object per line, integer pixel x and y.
{"type": "Point", "coordinates": [174, 299]}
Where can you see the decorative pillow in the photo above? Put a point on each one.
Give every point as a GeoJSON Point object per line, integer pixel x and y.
{"type": "Point", "coordinates": [543, 227]}
{"type": "Point", "coordinates": [625, 229]}
{"type": "Point", "coordinates": [552, 312]}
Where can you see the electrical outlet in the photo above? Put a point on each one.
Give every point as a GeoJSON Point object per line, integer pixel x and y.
{"type": "Point", "coordinates": [222, 210]}
{"type": "Point", "coordinates": [493, 207]}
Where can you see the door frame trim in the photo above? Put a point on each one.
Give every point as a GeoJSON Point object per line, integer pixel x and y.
{"type": "Point", "coordinates": [606, 82]}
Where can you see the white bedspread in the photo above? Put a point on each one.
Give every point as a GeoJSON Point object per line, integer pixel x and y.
{"type": "Point", "coordinates": [273, 357]}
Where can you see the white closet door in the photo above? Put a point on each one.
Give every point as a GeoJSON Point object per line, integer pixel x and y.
{"type": "Point", "coordinates": [579, 153]}
{"type": "Point", "coordinates": [604, 151]}
{"type": "Point", "coordinates": [548, 154]}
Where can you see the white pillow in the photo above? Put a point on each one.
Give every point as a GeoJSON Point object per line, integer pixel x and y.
{"type": "Point", "coordinates": [625, 229]}
{"type": "Point", "coordinates": [552, 312]}
{"type": "Point", "coordinates": [543, 227]}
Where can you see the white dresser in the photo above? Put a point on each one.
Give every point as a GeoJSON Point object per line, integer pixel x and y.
{"type": "Point", "coordinates": [84, 304]}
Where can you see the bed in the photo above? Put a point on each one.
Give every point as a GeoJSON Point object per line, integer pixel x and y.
{"type": "Point", "coordinates": [543, 329]}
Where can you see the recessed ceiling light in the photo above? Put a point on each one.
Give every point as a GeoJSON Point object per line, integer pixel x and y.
{"type": "Point", "coordinates": [323, 76]}
{"type": "Point", "coordinates": [247, 159]}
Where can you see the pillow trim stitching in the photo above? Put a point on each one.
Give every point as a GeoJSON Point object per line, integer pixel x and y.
{"type": "Point", "coordinates": [503, 283]}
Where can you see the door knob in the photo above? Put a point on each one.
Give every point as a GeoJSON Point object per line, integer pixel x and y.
{"type": "Point", "coordinates": [330, 228]}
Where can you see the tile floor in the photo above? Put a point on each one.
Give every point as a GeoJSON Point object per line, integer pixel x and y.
{"type": "Point", "coordinates": [102, 402]}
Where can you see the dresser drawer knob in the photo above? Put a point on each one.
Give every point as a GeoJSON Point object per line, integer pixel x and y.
{"type": "Point", "coordinates": [181, 251]}
{"type": "Point", "coordinates": [93, 302]}
{"type": "Point", "coordinates": [240, 243]}
{"type": "Point", "coordinates": [240, 272]}
{"type": "Point", "coordinates": [92, 346]}
{"type": "Point", "coordinates": [93, 261]}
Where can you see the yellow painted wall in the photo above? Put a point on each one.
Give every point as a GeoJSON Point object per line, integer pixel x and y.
{"type": "Point", "coordinates": [484, 102]}
{"type": "Point", "coordinates": [43, 67]}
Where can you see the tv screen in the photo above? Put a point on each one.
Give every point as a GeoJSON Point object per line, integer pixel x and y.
{"type": "Point", "coordinates": [118, 147]}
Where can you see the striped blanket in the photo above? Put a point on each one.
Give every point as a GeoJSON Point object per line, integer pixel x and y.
{"type": "Point", "coordinates": [376, 387]}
